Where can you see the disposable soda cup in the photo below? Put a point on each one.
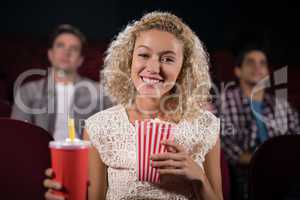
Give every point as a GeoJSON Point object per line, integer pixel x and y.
{"type": "Point", "coordinates": [69, 161]}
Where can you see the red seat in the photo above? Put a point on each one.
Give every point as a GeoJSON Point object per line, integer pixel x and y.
{"type": "Point", "coordinates": [225, 177]}
{"type": "Point", "coordinates": [274, 169]}
{"type": "Point", "coordinates": [224, 167]}
{"type": "Point", "coordinates": [24, 157]}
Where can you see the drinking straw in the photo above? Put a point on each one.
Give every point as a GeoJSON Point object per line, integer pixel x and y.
{"type": "Point", "coordinates": [71, 127]}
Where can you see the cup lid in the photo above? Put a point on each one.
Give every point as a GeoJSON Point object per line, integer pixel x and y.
{"type": "Point", "coordinates": [68, 144]}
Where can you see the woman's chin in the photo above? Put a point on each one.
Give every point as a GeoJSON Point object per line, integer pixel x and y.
{"type": "Point", "coordinates": [150, 93]}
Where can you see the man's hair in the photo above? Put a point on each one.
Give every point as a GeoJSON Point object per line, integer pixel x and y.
{"type": "Point", "coordinates": [245, 51]}
{"type": "Point", "coordinates": [67, 28]}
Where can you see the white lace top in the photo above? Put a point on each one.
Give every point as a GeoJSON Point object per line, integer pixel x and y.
{"type": "Point", "coordinates": [113, 135]}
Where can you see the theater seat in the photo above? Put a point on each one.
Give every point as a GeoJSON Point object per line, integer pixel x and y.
{"type": "Point", "coordinates": [24, 157]}
{"type": "Point", "coordinates": [225, 177]}
{"type": "Point", "coordinates": [274, 169]}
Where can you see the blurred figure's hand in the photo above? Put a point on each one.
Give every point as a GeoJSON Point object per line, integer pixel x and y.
{"type": "Point", "coordinates": [51, 185]}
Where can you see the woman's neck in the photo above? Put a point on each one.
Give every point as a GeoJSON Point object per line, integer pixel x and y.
{"type": "Point", "coordinates": [143, 108]}
{"type": "Point", "coordinates": [149, 108]}
{"type": "Point", "coordinates": [146, 105]}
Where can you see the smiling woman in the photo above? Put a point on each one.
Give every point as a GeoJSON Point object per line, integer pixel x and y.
{"type": "Point", "coordinates": [155, 67]}
{"type": "Point", "coordinates": [159, 41]}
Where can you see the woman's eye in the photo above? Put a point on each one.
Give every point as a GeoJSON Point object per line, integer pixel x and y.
{"type": "Point", "coordinates": [167, 60]}
{"type": "Point", "coordinates": [143, 55]}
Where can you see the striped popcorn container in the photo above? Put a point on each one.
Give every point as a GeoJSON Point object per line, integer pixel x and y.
{"type": "Point", "coordinates": [149, 136]}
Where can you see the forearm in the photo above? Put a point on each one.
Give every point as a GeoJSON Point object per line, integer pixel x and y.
{"type": "Point", "coordinates": [204, 191]}
{"type": "Point", "coordinates": [96, 193]}
{"type": "Point", "coordinates": [97, 174]}
{"type": "Point", "coordinates": [98, 178]}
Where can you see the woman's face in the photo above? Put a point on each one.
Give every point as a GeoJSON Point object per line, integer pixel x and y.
{"type": "Point", "coordinates": [156, 62]}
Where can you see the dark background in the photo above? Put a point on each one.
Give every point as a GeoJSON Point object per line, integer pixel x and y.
{"type": "Point", "coordinates": [219, 23]}
{"type": "Point", "coordinates": [225, 26]}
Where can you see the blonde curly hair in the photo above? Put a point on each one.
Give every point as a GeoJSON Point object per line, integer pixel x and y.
{"type": "Point", "coordinates": [193, 83]}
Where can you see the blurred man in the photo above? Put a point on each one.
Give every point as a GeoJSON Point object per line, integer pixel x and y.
{"type": "Point", "coordinates": [250, 115]}
{"type": "Point", "coordinates": [49, 102]}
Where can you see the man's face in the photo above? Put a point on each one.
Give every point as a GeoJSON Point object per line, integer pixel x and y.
{"type": "Point", "coordinates": [65, 53]}
{"type": "Point", "coordinates": [253, 68]}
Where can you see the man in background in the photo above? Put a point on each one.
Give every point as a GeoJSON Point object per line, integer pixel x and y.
{"type": "Point", "coordinates": [250, 115]}
{"type": "Point", "coordinates": [63, 94]}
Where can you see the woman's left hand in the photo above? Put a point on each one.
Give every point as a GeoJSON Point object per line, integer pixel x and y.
{"type": "Point", "coordinates": [177, 162]}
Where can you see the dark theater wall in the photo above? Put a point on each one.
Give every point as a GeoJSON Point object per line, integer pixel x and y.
{"type": "Point", "coordinates": [38, 18]}
{"type": "Point", "coordinates": [219, 23]}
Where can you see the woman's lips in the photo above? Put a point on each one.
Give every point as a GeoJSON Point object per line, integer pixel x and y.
{"type": "Point", "coordinates": [151, 80]}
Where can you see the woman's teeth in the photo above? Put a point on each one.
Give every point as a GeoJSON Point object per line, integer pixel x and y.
{"type": "Point", "coordinates": [150, 81]}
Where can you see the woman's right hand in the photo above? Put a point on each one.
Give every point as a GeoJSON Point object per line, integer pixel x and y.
{"type": "Point", "coordinates": [51, 185]}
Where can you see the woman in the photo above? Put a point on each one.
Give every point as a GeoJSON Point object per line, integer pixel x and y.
{"type": "Point", "coordinates": [156, 67]}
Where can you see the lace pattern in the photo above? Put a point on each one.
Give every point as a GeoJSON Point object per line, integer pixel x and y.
{"type": "Point", "coordinates": [113, 136]}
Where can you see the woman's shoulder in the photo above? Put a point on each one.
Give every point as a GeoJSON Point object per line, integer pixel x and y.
{"type": "Point", "coordinates": [204, 128]}
{"type": "Point", "coordinates": [209, 120]}
{"type": "Point", "coordinates": [104, 117]}
{"type": "Point", "coordinates": [204, 120]}
{"type": "Point", "coordinates": [102, 123]}
{"type": "Point", "coordinates": [105, 114]}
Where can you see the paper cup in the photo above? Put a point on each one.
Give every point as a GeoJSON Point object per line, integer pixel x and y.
{"type": "Point", "coordinates": [70, 166]}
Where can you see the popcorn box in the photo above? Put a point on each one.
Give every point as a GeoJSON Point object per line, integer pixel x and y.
{"type": "Point", "coordinates": [149, 136]}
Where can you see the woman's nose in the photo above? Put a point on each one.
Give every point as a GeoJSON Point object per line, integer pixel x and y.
{"type": "Point", "coordinates": [153, 65]}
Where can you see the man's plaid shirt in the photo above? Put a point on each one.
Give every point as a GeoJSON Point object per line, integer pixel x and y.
{"type": "Point", "coordinates": [238, 125]}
